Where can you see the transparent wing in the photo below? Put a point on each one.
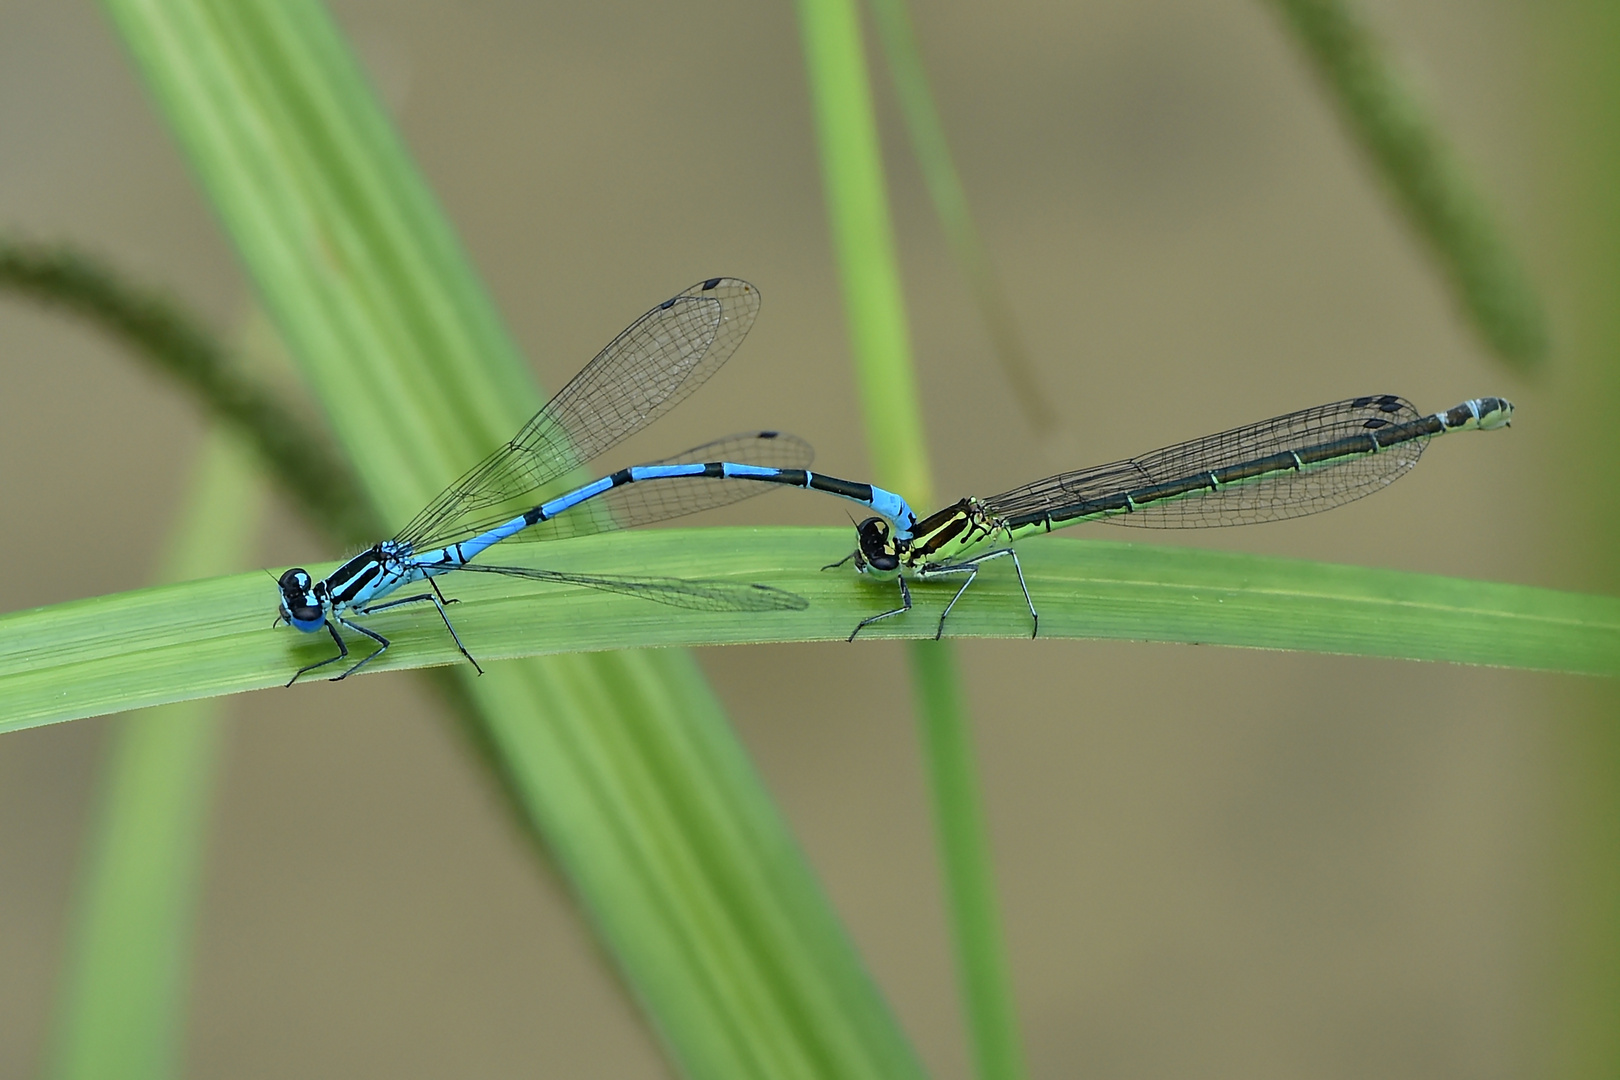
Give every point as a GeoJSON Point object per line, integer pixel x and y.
{"type": "Point", "coordinates": [696, 594]}
{"type": "Point", "coordinates": [1269, 498]}
{"type": "Point", "coordinates": [644, 372]}
{"type": "Point", "coordinates": [648, 501]}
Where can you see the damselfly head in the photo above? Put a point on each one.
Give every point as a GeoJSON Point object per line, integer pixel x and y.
{"type": "Point", "coordinates": [876, 551]}
{"type": "Point", "coordinates": [301, 602]}
{"type": "Point", "coordinates": [1495, 413]}
{"type": "Point", "coordinates": [1482, 414]}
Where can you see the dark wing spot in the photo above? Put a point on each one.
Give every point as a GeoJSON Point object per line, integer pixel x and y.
{"type": "Point", "coordinates": [711, 283]}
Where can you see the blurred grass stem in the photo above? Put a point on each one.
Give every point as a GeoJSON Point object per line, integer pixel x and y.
{"type": "Point", "coordinates": [863, 244]}
{"type": "Point", "coordinates": [299, 455]}
{"type": "Point", "coordinates": [123, 1001]}
{"type": "Point", "coordinates": [1428, 183]}
{"type": "Point", "coordinates": [929, 145]}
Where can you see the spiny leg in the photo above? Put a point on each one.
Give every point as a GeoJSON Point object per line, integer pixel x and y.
{"type": "Point", "coordinates": [970, 567]}
{"type": "Point", "coordinates": [372, 609]}
{"type": "Point", "coordinates": [1034, 616]}
{"type": "Point", "coordinates": [905, 606]}
{"type": "Point", "coordinates": [840, 562]}
{"type": "Point", "coordinates": [438, 602]}
{"type": "Point", "coordinates": [382, 646]}
{"type": "Point", "coordinates": [343, 652]}
{"type": "Point", "coordinates": [972, 572]}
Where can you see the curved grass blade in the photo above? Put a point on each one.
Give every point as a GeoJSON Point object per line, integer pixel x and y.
{"type": "Point", "coordinates": [210, 637]}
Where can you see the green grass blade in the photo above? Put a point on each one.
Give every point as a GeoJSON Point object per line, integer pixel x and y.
{"type": "Point", "coordinates": [733, 929]}
{"type": "Point", "coordinates": [125, 983]}
{"type": "Point", "coordinates": [123, 1013]}
{"type": "Point", "coordinates": [959, 810]}
{"type": "Point", "coordinates": [1576, 84]}
{"type": "Point", "coordinates": [1428, 183]}
{"type": "Point", "coordinates": [863, 240]}
{"type": "Point", "coordinates": [201, 638]}
{"type": "Point", "coordinates": [398, 340]}
{"type": "Point", "coordinates": [346, 245]}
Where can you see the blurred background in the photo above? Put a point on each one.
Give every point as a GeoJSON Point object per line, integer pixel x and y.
{"type": "Point", "coordinates": [1211, 862]}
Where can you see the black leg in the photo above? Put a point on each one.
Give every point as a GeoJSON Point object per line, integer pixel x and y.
{"type": "Point", "coordinates": [374, 608]}
{"type": "Point", "coordinates": [970, 567]}
{"type": "Point", "coordinates": [1034, 616]}
{"type": "Point", "coordinates": [905, 606]}
{"type": "Point", "coordinates": [438, 601]}
{"type": "Point", "coordinates": [343, 651]}
{"type": "Point", "coordinates": [382, 646]}
{"type": "Point", "coordinates": [840, 562]}
{"type": "Point", "coordinates": [972, 572]}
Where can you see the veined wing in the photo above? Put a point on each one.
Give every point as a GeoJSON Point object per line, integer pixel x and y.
{"type": "Point", "coordinates": [1283, 492]}
{"type": "Point", "coordinates": [644, 372]}
{"type": "Point", "coordinates": [695, 594]}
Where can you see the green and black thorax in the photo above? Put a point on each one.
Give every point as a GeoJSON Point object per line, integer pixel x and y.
{"type": "Point", "coordinates": [943, 538]}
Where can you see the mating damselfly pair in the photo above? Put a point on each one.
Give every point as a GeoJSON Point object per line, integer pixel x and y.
{"type": "Point", "coordinates": [1288, 466]}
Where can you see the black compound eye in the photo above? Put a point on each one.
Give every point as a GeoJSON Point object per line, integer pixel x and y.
{"type": "Point", "coordinates": [873, 534]}
{"type": "Point", "coordinates": [303, 613]}
{"type": "Point", "coordinates": [295, 580]}
{"type": "Point", "coordinates": [877, 544]}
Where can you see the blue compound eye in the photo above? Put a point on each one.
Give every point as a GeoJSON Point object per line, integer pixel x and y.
{"type": "Point", "coordinates": [307, 619]}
